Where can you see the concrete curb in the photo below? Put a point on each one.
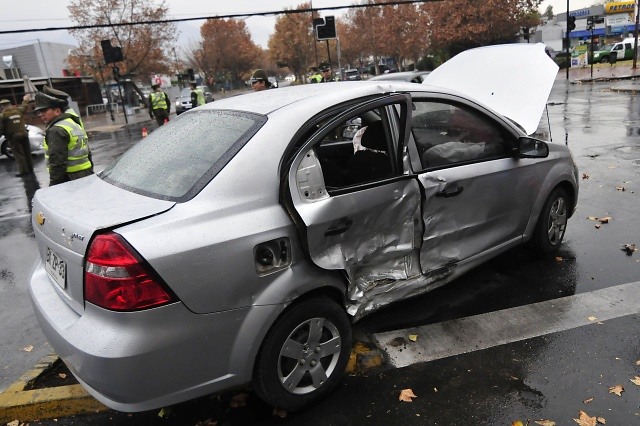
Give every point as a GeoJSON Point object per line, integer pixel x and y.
{"type": "Point", "coordinates": [16, 403]}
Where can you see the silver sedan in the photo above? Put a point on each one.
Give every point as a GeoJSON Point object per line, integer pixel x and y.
{"type": "Point", "coordinates": [243, 252]}
{"type": "Point", "coordinates": [36, 140]}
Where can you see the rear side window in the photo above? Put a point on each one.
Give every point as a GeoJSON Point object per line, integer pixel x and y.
{"type": "Point", "coordinates": [176, 161]}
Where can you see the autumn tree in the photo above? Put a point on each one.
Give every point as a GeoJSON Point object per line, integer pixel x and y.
{"type": "Point", "coordinates": [460, 27]}
{"type": "Point", "coordinates": [146, 47]}
{"type": "Point", "coordinates": [226, 52]}
{"type": "Point", "coordinates": [292, 42]}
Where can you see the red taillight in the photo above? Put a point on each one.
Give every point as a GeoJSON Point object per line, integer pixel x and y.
{"type": "Point", "coordinates": [115, 277]}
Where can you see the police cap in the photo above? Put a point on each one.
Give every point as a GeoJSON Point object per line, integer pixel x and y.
{"type": "Point", "coordinates": [324, 66]}
{"type": "Point", "coordinates": [55, 93]}
{"type": "Point", "coordinates": [44, 101]}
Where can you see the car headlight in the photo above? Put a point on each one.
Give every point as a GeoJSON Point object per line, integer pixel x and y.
{"type": "Point", "coordinates": [177, 103]}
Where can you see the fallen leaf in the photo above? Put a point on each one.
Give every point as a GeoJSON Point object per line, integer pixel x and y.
{"type": "Point", "coordinates": [559, 259]}
{"type": "Point", "coordinates": [588, 400]}
{"type": "Point", "coordinates": [620, 188]}
{"type": "Point", "coordinates": [279, 413]}
{"type": "Point", "coordinates": [413, 337]}
{"type": "Point", "coordinates": [594, 319]}
{"type": "Point", "coordinates": [406, 395]}
{"type": "Point", "coordinates": [14, 423]}
{"type": "Point", "coordinates": [605, 219]}
{"type": "Point", "coordinates": [239, 400]}
{"type": "Point", "coordinates": [517, 423]}
{"type": "Point", "coordinates": [164, 412]}
{"type": "Point", "coordinates": [612, 167]}
{"type": "Point", "coordinates": [636, 380]}
{"type": "Point", "coordinates": [585, 420]}
{"type": "Point", "coordinates": [585, 176]}
{"type": "Point", "coordinates": [638, 362]}
{"type": "Point", "coordinates": [62, 375]}
{"type": "Point", "coordinates": [629, 249]}
{"type": "Point", "coordinates": [598, 225]}
{"type": "Point", "coordinates": [28, 348]}
{"type": "Point", "coordinates": [602, 420]}
{"type": "Point", "coordinates": [545, 423]}
{"type": "Point", "coordinates": [592, 218]}
{"type": "Point", "coordinates": [617, 389]}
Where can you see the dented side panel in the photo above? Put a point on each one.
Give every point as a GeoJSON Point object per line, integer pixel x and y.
{"type": "Point", "coordinates": [472, 208]}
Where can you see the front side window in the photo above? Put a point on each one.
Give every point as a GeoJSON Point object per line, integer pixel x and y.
{"type": "Point", "coordinates": [447, 133]}
{"type": "Point", "coordinates": [175, 162]}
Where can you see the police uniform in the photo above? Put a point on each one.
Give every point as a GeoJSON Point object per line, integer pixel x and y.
{"type": "Point", "coordinates": [197, 96]}
{"type": "Point", "coordinates": [324, 66]}
{"type": "Point", "coordinates": [66, 146]}
{"type": "Point", "coordinates": [13, 126]}
{"type": "Point", "coordinates": [159, 105]}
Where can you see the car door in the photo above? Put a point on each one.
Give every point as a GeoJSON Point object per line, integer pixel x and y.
{"type": "Point", "coordinates": [369, 227]}
{"type": "Point", "coordinates": [477, 197]}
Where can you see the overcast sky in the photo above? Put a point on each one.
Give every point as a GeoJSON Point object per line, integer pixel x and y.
{"type": "Point", "coordinates": [28, 14]}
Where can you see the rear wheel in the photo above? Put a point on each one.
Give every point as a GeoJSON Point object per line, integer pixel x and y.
{"type": "Point", "coordinates": [552, 222]}
{"type": "Point", "coordinates": [6, 149]}
{"type": "Point", "coordinates": [304, 355]}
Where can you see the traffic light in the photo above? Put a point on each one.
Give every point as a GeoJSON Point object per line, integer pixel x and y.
{"type": "Point", "coordinates": [571, 23]}
{"type": "Point", "coordinates": [325, 28]}
{"type": "Point", "coordinates": [191, 74]}
{"type": "Point", "coordinates": [589, 22]}
{"type": "Point", "coordinates": [112, 54]}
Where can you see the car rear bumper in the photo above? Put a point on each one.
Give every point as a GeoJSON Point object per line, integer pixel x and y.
{"type": "Point", "coordinates": [147, 359]}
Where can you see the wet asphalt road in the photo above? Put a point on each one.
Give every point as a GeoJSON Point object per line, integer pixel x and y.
{"type": "Point", "coordinates": [547, 377]}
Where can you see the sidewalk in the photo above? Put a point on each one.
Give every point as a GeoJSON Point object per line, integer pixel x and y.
{"type": "Point", "coordinates": [601, 72]}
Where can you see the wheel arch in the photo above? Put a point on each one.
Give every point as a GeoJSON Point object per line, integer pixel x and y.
{"type": "Point", "coordinates": [572, 192]}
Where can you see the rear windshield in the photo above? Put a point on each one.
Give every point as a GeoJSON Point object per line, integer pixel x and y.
{"type": "Point", "coordinates": [177, 160]}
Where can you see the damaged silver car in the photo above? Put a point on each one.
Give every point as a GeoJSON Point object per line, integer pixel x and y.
{"type": "Point", "coordinates": [187, 268]}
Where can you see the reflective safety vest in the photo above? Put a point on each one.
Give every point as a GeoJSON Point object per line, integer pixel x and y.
{"type": "Point", "coordinates": [77, 149]}
{"type": "Point", "coordinates": [200, 94]}
{"type": "Point", "coordinates": [73, 112]}
{"type": "Point", "coordinates": [158, 100]}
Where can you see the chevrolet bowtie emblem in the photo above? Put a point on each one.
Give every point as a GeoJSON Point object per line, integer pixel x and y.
{"type": "Point", "coordinates": [40, 218]}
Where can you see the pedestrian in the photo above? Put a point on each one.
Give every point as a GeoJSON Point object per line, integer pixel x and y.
{"type": "Point", "coordinates": [66, 145]}
{"type": "Point", "coordinates": [63, 96]}
{"type": "Point", "coordinates": [159, 105]}
{"type": "Point", "coordinates": [260, 81]}
{"type": "Point", "coordinates": [197, 95]}
{"type": "Point", "coordinates": [14, 129]}
{"type": "Point", "coordinates": [326, 74]}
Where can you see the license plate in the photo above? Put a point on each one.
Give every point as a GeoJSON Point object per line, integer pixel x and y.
{"type": "Point", "coordinates": [56, 268]}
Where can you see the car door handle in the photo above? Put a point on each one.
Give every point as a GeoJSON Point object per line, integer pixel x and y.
{"type": "Point", "coordinates": [340, 228]}
{"type": "Point", "coordinates": [448, 194]}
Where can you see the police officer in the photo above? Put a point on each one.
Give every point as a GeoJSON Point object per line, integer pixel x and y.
{"type": "Point", "coordinates": [66, 147]}
{"type": "Point", "coordinates": [260, 81]}
{"type": "Point", "coordinates": [14, 128]}
{"type": "Point", "coordinates": [315, 76]}
{"type": "Point", "coordinates": [63, 96]}
{"type": "Point", "coordinates": [159, 105]}
{"type": "Point", "coordinates": [197, 95]}
{"type": "Point", "coordinates": [325, 70]}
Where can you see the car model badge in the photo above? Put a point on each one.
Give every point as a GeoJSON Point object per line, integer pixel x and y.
{"type": "Point", "coordinates": [40, 218]}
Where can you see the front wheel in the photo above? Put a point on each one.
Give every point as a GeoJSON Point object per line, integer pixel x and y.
{"type": "Point", "coordinates": [605, 60]}
{"type": "Point", "coordinates": [552, 222]}
{"type": "Point", "coordinates": [304, 355]}
{"type": "Point", "coordinates": [6, 149]}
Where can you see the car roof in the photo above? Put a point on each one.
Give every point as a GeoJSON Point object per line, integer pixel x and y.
{"type": "Point", "coordinates": [404, 75]}
{"type": "Point", "coordinates": [322, 95]}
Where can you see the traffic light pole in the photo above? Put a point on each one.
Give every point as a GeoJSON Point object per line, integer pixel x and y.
{"type": "Point", "coordinates": [567, 42]}
{"type": "Point", "coordinates": [635, 36]}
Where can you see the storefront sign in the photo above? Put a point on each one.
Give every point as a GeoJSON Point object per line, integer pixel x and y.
{"type": "Point", "coordinates": [619, 7]}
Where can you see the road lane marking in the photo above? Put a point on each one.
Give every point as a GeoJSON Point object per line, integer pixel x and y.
{"type": "Point", "coordinates": [464, 335]}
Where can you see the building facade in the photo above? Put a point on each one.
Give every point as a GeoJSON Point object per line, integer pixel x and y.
{"type": "Point", "coordinates": [38, 59]}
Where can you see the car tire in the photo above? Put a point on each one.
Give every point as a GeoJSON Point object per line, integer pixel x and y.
{"type": "Point", "coordinates": [313, 362]}
{"type": "Point", "coordinates": [552, 222]}
{"type": "Point", "coordinates": [6, 149]}
{"type": "Point", "coordinates": [604, 60]}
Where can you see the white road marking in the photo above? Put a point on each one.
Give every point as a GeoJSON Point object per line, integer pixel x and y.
{"type": "Point", "coordinates": [456, 337]}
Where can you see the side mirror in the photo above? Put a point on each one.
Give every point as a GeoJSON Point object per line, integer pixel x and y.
{"type": "Point", "coordinates": [528, 147]}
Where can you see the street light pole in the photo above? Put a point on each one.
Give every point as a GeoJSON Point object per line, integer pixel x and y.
{"type": "Point", "coordinates": [567, 42]}
{"type": "Point", "coordinates": [635, 36]}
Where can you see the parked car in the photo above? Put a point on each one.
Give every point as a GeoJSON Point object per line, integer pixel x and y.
{"type": "Point", "coordinates": [245, 258]}
{"type": "Point", "coordinates": [412, 76]}
{"type": "Point", "coordinates": [352, 75]}
{"type": "Point", "coordinates": [613, 52]}
{"type": "Point", "coordinates": [183, 101]}
{"type": "Point", "coordinates": [36, 139]}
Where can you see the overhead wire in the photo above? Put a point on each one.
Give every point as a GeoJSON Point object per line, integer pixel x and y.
{"type": "Point", "coordinates": [228, 16]}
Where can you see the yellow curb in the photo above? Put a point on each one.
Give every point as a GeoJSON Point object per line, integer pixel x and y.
{"type": "Point", "coordinates": [359, 362]}
{"type": "Point", "coordinates": [16, 403]}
